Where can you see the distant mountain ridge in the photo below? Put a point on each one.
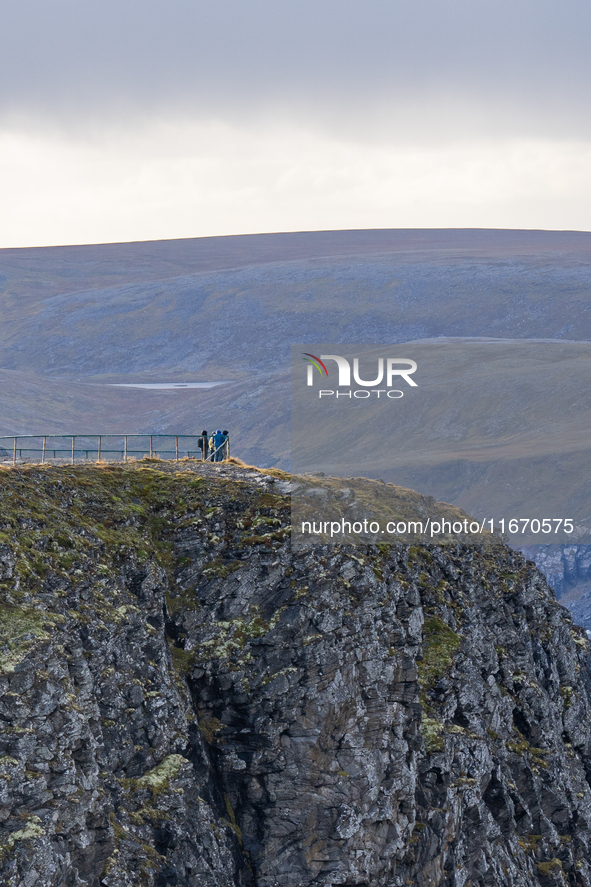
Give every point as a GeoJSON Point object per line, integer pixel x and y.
{"type": "Point", "coordinates": [230, 307]}
{"type": "Point", "coordinates": [236, 303]}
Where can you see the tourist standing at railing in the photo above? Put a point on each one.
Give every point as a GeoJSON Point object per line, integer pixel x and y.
{"type": "Point", "coordinates": [226, 449]}
{"type": "Point", "coordinates": [216, 444]}
{"type": "Point", "coordinates": [203, 444]}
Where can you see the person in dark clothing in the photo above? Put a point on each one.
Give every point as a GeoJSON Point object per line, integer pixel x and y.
{"type": "Point", "coordinates": [216, 443]}
{"type": "Point", "coordinates": [226, 444]}
{"type": "Point", "coordinates": [203, 444]}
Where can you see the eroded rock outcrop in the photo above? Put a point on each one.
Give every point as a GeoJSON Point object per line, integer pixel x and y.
{"type": "Point", "coordinates": [568, 570]}
{"type": "Point", "coordinates": [185, 700]}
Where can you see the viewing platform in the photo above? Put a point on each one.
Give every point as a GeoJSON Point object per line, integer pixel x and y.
{"type": "Point", "coordinates": [110, 447]}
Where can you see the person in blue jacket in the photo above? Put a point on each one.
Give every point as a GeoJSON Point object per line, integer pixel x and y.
{"type": "Point", "coordinates": [216, 445]}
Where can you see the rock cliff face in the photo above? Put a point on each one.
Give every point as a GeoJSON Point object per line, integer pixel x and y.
{"type": "Point", "coordinates": [187, 701]}
{"type": "Point", "coordinates": [568, 570]}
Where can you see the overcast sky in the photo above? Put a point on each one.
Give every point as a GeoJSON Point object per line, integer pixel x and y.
{"type": "Point", "coordinates": [148, 119]}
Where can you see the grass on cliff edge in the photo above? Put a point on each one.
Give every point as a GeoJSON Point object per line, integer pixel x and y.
{"type": "Point", "coordinates": [52, 515]}
{"type": "Point", "coordinates": [75, 524]}
{"type": "Point", "coordinates": [351, 499]}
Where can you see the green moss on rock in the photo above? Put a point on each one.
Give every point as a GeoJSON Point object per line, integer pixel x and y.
{"type": "Point", "coordinates": [440, 643]}
{"type": "Point", "coordinates": [432, 731]}
{"type": "Point", "coordinates": [20, 629]}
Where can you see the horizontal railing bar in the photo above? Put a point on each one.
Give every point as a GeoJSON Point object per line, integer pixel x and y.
{"type": "Point", "coordinates": [95, 450]}
{"type": "Point", "coordinates": [86, 434]}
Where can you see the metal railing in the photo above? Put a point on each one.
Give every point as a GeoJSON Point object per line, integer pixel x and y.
{"type": "Point", "coordinates": [114, 447]}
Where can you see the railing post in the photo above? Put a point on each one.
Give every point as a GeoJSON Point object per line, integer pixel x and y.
{"type": "Point", "coordinates": [43, 453]}
{"type": "Point", "coordinates": [125, 450]}
{"type": "Point", "coordinates": [73, 444]}
{"type": "Point", "coordinates": [99, 450]}
{"type": "Point", "coordinates": [176, 444]}
{"type": "Point", "coordinates": [14, 453]}
{"type": "Point", "coordinates": [151, 450]}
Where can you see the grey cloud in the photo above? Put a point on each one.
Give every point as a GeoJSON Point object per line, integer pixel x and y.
{"type": "Point", "coordinates": [528, 60]}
